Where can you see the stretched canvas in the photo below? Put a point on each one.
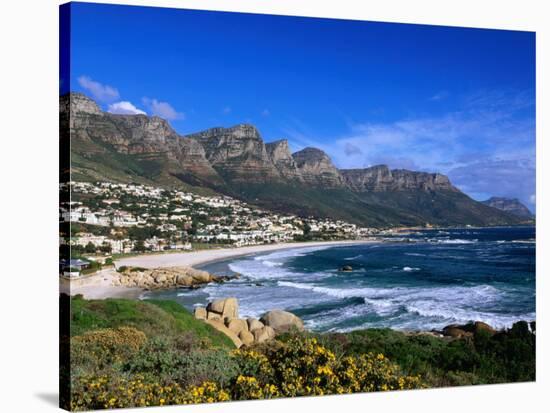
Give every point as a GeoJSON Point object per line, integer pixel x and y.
{"type": "Point", "coordinates": [263, 206]}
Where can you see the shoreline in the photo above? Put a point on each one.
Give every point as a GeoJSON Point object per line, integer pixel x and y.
{"type": "Point", "coordinates": [202, 257]}
{"type": "Point", "coordinates": [99, 286]}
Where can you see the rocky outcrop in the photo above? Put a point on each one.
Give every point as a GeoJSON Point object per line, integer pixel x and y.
{"type": "Point", "coordinates": [222, 328]}
{"type": "Point", "coordinates": [254, 324]}
{"type": "Point", "coordinates": [238, 153]}
{"type": "Point", "coordinates": [161, 278]}
{"type": "Point", "coordinates": [226, 308]}
{"type": "Point", "coordinates": [151, 137]}
{"type": "Point", "coordinates": [280, 155]}
{"type": "Point", "coordinates": [316, 168]}
{"type": "Point", "coordinates": [381, 179]}
{"type": "Point", "coordinates": [282, 321]}
{"type": "Point", "coordinates": [467, 330]}
{"type": "Point", "coordinates": [510, 205]}
{"type": "Point", "coordinates": [223, 315]}
{"type": "Point", "coordinates": [78, 104]}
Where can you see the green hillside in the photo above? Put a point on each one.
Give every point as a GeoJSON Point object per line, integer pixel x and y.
{"type": "Point", "coordinates": [153, 317]}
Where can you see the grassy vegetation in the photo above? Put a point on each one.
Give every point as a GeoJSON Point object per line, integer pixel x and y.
{"type": "Point", "coordinates": [154, 318]}
{"type": "Point", "coordinates": [127, 353]}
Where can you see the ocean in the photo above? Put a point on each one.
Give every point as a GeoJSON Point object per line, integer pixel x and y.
{"type": "Point", "coordinates": [420, 281]}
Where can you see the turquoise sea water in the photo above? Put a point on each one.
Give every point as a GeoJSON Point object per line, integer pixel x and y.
{"type": "Point", "coordinates": [420, 281]}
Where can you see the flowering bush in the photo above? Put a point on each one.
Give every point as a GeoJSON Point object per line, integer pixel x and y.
{"type": "Point", "coordinates": [112, 338]}
{"type": "Point", "coordinates": [302, 367]}
{"type": "Point", "coordinates": [104, 392]}
{"type": "Point", "coordinates": [100, 349]}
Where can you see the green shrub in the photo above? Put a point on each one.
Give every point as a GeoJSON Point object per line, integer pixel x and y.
{"type": "Point", "coordinates": [217, 366]}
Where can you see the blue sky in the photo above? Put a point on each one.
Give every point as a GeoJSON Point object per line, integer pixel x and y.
{"type": "Point", "coordinates": [453, 100]}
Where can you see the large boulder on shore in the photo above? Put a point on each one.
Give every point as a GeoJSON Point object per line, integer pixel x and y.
{"type": "Point", "coordinates": [481, 326]}
{"type": "Point", "coordinates": [467, 330]}
{"type": "Point", "coordinates": [455, 331]}
{"type": "Point", "coordinates": [199, 276]}
{"type": "Point", "coordinates": [263, 334]}
{"type": "Point", "coordinates": [246, 337]}
{"type": "Point", "coordinates": [218, 325]}
{"type": "Point", "coordinates": [282, 321]}
{"type": "Point", "coordinates": [225, 307]}
{"type": "Point", "coordinates": [254, 324]}
{"type": "Point", "coordinates": [200, 313]}
{"type": "Point", "coordinates": [237, 325]}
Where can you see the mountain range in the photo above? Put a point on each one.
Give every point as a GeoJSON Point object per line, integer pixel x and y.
{"type": "Point", "coordinates": [236, 161]}
{"type": "Point", "coordinates": [510, 205]}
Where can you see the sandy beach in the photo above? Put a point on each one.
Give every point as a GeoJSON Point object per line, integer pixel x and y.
{"type": "Point", "coordinates": [194, 258]}
{"type": "Point", "coordinates": [100, 285]}
{"type": "Point", "coordinates": [97, 286]}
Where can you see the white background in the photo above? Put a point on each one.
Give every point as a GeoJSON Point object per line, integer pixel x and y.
{"type": "Point", "coordinates": [28, 201]}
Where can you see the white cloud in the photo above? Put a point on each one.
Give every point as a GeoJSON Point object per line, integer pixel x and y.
{"type": "Point", "coordinates": [226, 110]}
{"type": "Point", "coordinates": [99, 91]}
{"type": "Point", "coordinates": [533, 199]}
{"type": "Point", "coordinates": [162, 109]}
{"type": "Point", "coordinates": [439, 95]}
{"type": "Point", "coordinates": [265, 112]}
{"type": "Point", "coordinates": [124, 108]}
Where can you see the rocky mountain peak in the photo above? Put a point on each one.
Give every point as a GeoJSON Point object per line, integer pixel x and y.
{"type": "Point", "coordinates": [278, 150]}
{"type": "Point", "coordinates": [316, 168]}
{"type": "Point", "coordinates": [309, 155]}
{"type": "Point", "coordinates": [510, 205]}
{"type": "Point", "coordinates": [238, 152]}
{"type": "Point", "coordinates": [280, 155]}
{"type": "Point", "coordinates": [78, 103]}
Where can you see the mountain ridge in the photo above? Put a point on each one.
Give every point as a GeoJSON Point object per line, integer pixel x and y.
{"type": "Point", "coordinates": [510, 205]}
{"type": "Point", "coordinates": [236, 161]}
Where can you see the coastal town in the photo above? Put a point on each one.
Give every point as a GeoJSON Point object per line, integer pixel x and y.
{"type": "Point", "coordinates": [116, 218]}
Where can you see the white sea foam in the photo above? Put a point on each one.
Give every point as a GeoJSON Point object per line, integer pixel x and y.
{"type": "Point", "coordinates": [409, 269]}
{"type": "Point", "coordinates": [415, 254]}
{"type": "Point", "coordinates": [353, 258]}
{"type": "Point", "coordinates": [448, 304]}
{"type": "Point", "coordinates": [457, 241]}
{"type": "Point", "coordinates": [271, 266]}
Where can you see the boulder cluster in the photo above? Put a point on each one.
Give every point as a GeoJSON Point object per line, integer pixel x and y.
{"type": "Point", "coordinates": [467, 330]}
{"type": "Point", "coordinates": [160, 278]}
{"type": "Point", "coordinates": [223, 315]}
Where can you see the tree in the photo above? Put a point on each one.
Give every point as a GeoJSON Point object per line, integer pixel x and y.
{"type": "Point", "coordinates": [139, 246]}
{"type": "Point", "coordinates": [106, 248]}
{"type": "Point", "coordinates": [307, 232]}
{"type": "Point", "coordinates": [90, 248]}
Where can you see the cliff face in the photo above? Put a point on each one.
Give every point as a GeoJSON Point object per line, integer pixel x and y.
{"type": "Point", "coordinates": [316, 168]}
{"type": "Point", "coordinates": [236, 161]}
{"type": "Point", "coordinates": [381, 179]}
{"type": "Point", "coordinates": [151, 137]}
{"type": "Point", "coordinates": [510, 205]}
{"type": "Point", "coordinates": [238, 153]}
{"type": "Point", "coordinates": [280, 155]}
